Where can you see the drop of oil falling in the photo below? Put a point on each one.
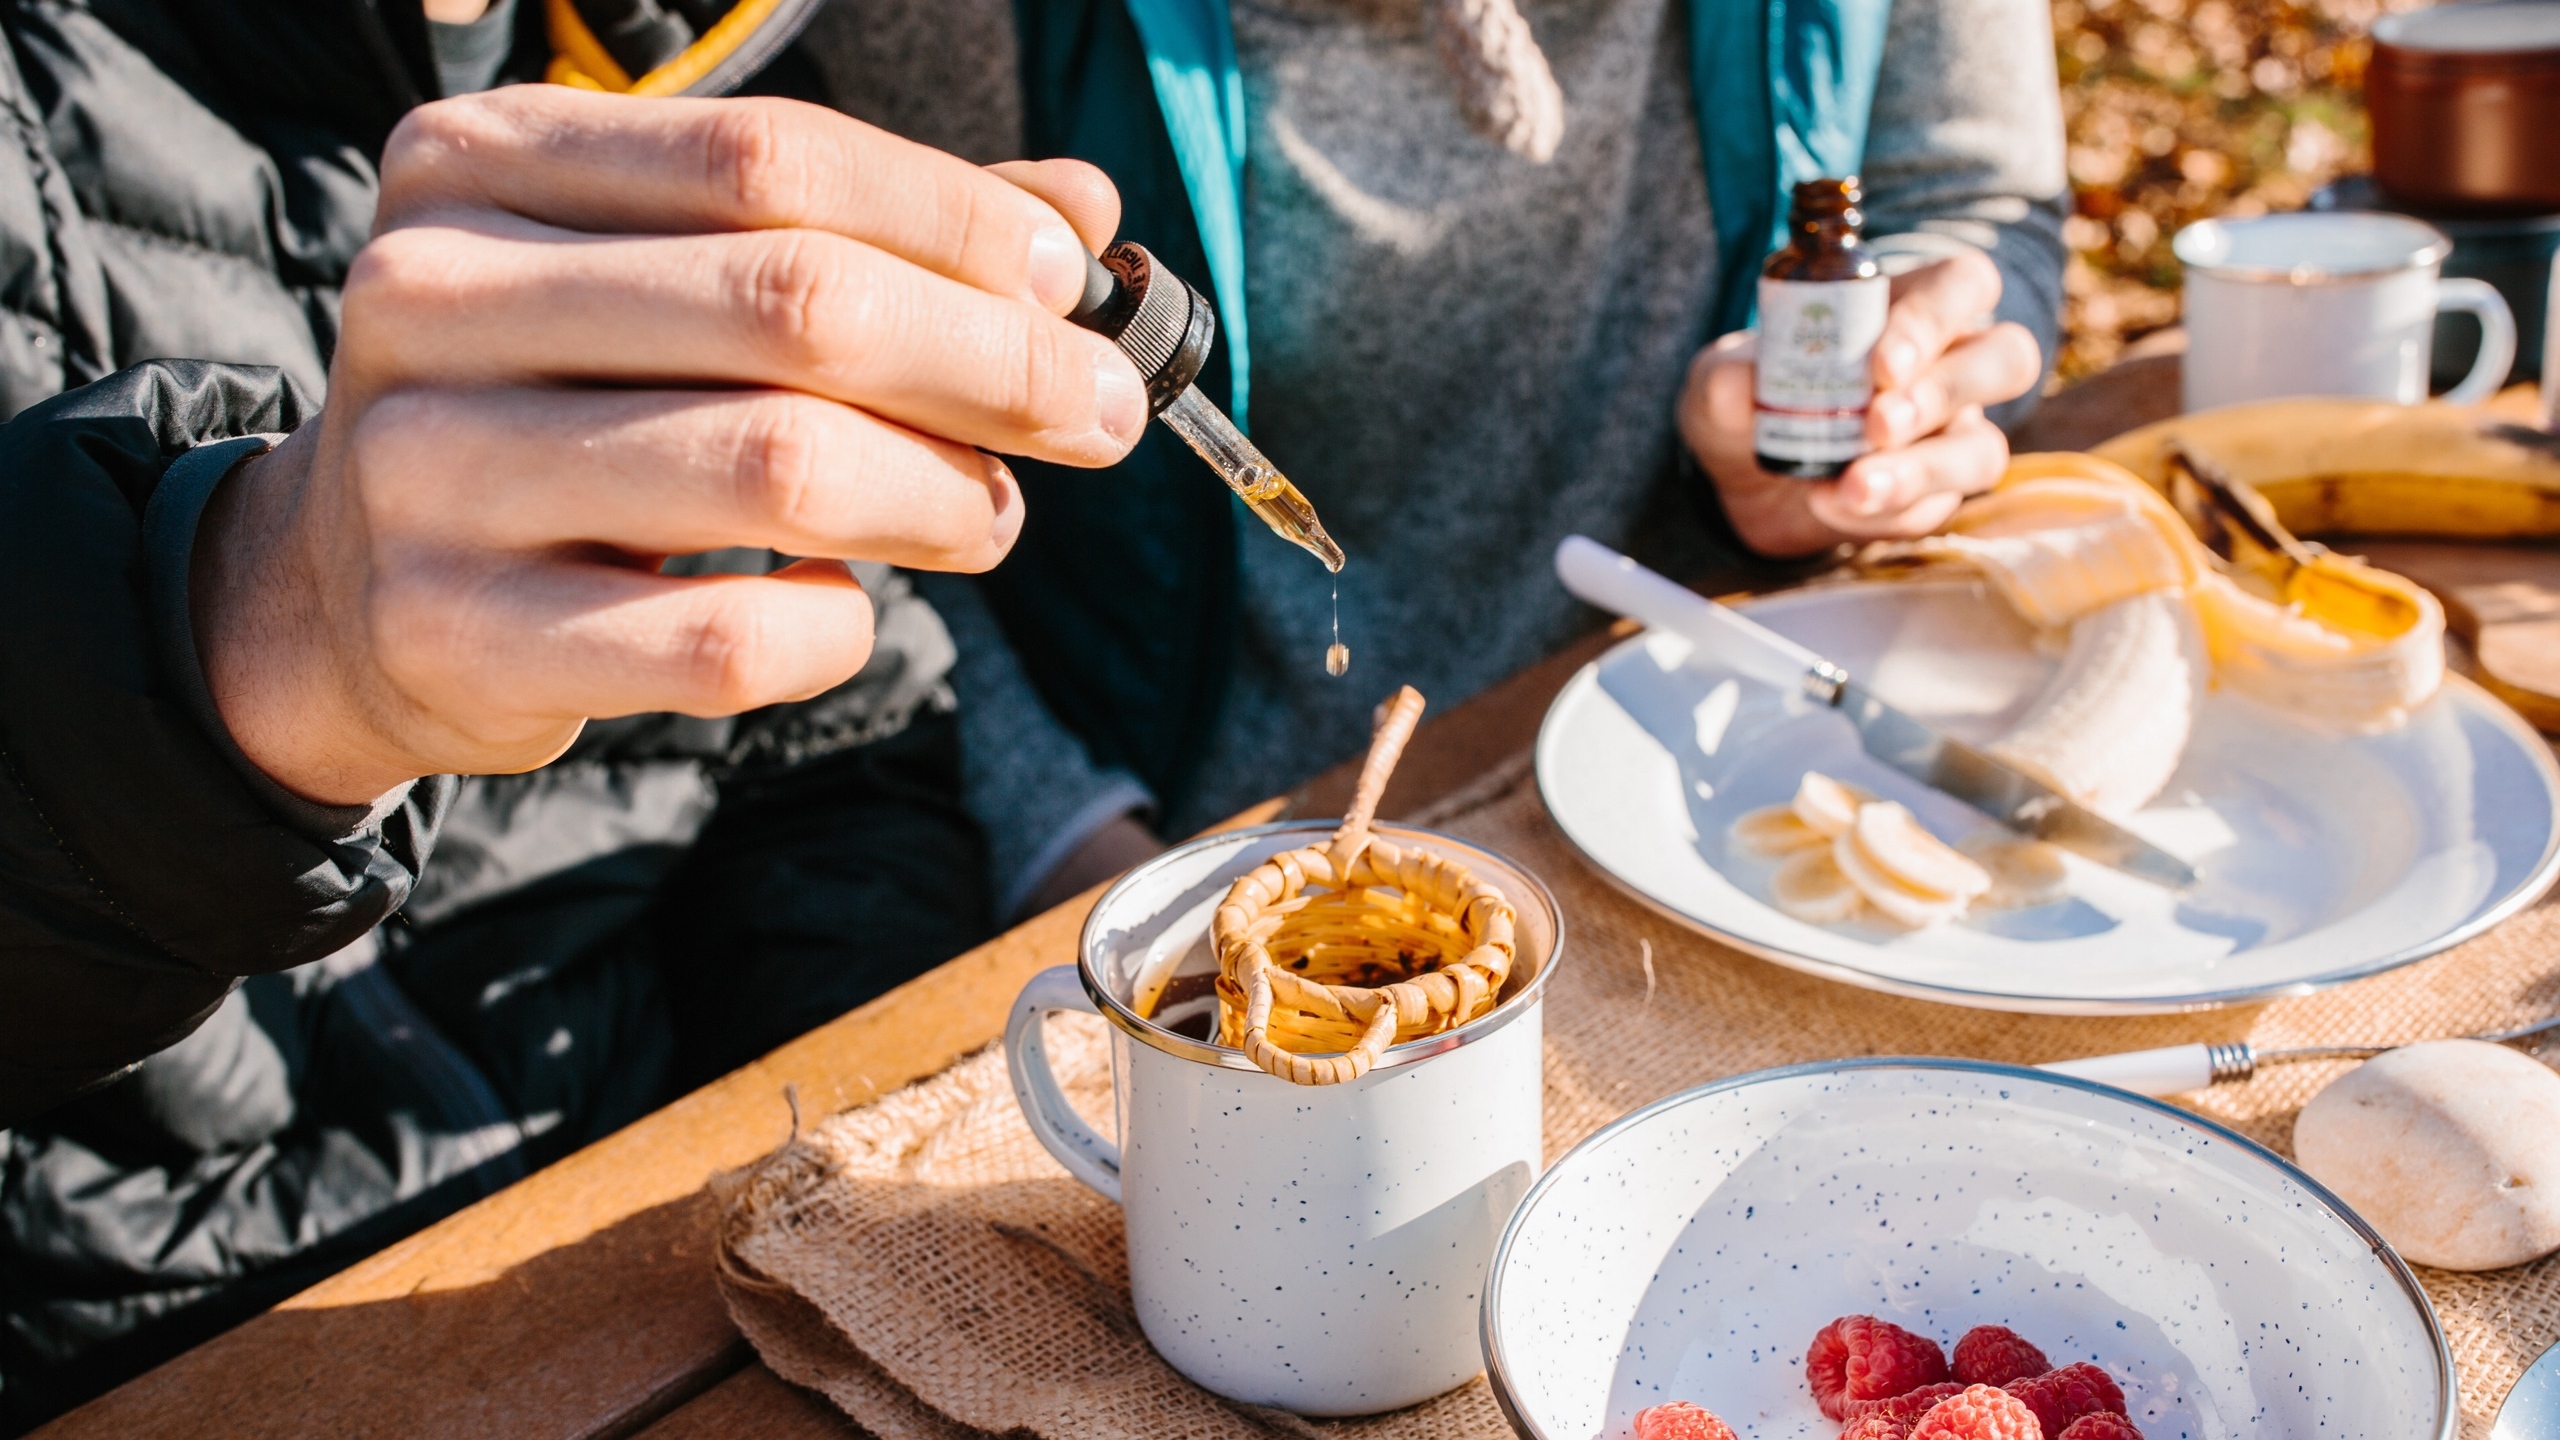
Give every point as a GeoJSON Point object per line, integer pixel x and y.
{"type": "Point", "coordinates": [1337, 657]}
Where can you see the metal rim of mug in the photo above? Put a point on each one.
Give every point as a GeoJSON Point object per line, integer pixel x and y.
{"type": "Point", "coordinates": [1147, 1032]}
{"type": "Point", "coordinates": [2401, 32]}
{"type": "Point", "coordinates": [2434, 251]}
{"type": "Point", "coordinates": [1499, 1368]}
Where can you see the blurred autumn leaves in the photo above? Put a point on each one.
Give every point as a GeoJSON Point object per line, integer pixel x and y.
{"type": "Point", "coordinates": [2181, 109]}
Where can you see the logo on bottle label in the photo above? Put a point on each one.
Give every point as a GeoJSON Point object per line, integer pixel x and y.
{"type": "Point", "coordinates": [1813, 388]}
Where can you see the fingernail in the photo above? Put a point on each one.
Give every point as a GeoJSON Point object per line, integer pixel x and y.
{"type": "Point", "coordinates": [1899, 358]}
{"type": "Point", "coordinates": [1005, 525]}
{"type": "Point", "coordinates": [1877, 495]}
{"type": "Point", "coordinates": [1057, 267]}
{"type": "Point", "coordinates": [1119, 396]}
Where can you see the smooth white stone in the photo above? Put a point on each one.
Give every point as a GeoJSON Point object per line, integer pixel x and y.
{"type": "Point", "coordinates": [2450, 1148]}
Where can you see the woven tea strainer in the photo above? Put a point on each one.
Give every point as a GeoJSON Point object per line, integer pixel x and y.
{"type": "Point", "coordinates": [1330, 953]}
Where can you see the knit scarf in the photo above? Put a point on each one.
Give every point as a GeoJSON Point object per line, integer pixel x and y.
{"type": "Point", "coordinates": [1505, 87]}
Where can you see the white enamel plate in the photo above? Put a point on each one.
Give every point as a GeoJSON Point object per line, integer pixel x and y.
{"type": "Point", "coordinates": [2321, 858]}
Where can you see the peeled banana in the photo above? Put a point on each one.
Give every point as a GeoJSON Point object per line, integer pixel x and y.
{"type": "Point", "coordinates": [2065, 537]}
{"type": "Point", "coordinates": [2112, 724]}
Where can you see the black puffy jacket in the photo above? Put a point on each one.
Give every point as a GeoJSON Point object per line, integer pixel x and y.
{"type": "Point", "coordinates": [221, 1074]}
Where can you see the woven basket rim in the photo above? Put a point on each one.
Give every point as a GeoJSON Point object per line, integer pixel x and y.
{"type": "Point", "coordinates": [1505, 1010]}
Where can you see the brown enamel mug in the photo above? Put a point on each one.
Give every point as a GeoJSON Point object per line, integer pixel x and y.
{"type": "Point", "coordinates": [2465, 104]}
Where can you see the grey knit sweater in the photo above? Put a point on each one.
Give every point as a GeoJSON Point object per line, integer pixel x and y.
{"type": "Point", "coordinates": [1460, 356]}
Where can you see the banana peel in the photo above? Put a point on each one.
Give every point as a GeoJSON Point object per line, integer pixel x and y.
{"type": "Point", "coordinates": [2361, 467]}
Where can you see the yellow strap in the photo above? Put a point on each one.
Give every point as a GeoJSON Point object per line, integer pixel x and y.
{"type": "Point", "coordinates": [578, 58]}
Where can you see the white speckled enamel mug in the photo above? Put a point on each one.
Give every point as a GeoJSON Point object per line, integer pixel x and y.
{"type": "Point", "coordinates": [2328, 303]}
{"type": "Point", "coordinates": [1321, 1249]}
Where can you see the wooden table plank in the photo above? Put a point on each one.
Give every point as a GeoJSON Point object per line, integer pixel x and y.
{"type": "Point", "coordinates": [755, 1402]}
{"type": "Point", "coordinates": [2134, 393]}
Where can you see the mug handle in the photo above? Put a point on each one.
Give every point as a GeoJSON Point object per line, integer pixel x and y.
{"type": "Point", "coordinates": [1054, 1122]}
{"type": "Point", "coordinates": [2497, 337]}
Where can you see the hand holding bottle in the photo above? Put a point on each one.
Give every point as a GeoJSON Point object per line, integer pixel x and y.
{"type": "Point", "coordinates": [1937, 364]}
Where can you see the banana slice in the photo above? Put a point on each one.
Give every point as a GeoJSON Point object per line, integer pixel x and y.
{"type": "Point", "coordinates": [2024, 873]}
{"type": "Point", "coordinates": [1897, 902]}
{"type": "Point", "coordinates": [1827, 805]}
{"type": "Point", "coordinates": [1894, 840]}
{"type": "Point", "coordinates": [1810, 887]}
{"type": "Point", "coordinates": [1775, 830]}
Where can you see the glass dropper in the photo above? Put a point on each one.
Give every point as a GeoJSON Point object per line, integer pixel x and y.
{"type": "Point", "coordinates": [1256, 481]}
{"type": "Point", "coordinates": [1166, 328]}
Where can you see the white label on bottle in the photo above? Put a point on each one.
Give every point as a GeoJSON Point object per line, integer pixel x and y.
{"type": "Point", "coordinates": [1815, 336]}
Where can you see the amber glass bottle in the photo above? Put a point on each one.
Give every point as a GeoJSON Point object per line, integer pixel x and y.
{"type": "Point", "coordinates": [1822, 306]}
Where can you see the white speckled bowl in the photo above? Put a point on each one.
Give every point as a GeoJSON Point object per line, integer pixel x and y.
{"type": "Point", "coordinates": [1690, 1251]}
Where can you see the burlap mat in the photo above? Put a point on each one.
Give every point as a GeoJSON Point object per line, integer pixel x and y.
{"type": "Point", "coordinates": [923, 1263]}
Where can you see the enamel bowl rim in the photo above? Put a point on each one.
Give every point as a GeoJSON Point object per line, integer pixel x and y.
{"type": "Point", "coordinates": [1499, 1369]}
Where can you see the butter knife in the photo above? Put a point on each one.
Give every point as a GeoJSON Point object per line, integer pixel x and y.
{"type": "Point", "coordinates": [1617, 584]}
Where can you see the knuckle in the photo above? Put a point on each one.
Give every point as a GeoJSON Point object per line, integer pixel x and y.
{"type": "Point", "coordinates": [402, 268]}
{"type": "Point", "coordinates": [790, 284]}
{"type": "Point", "coordinates": [1050, 386]}
{"type": "Point", "coordinates": [985, 234]}
{"type": "Point", "coordinates": [1981, 272]}
{"type": "Point", "coordinates": [1966, 275]}
{"type": "Point", "coordinates": [730, 658]}
{"type": "Point", "coordinates": [402, 284]}
{"type": "Point", "coordinates": [2017, 345]}
{"type": "Point", "coordinates": [780, 478]}
{"type": "Point", "coordinates": [754, 157]}
{"type": "Point", "coordinates": [385, 436]}
{"type": "Point", "coordinates": [432, 146]}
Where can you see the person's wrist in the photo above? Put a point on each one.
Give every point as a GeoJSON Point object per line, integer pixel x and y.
{"type": "Point", "coordinates": [258, 600]}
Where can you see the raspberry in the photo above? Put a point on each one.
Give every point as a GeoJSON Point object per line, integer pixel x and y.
{"type": "Point", "coordinates": [1681, 1420]}
{"type": "Point", "coordinates": [1904, 1409]}
{"type": "Point", "coordinates": [1996, 1355]}
{"type": "Point", "coordinates": [2061, 1396]}
{"type": "Point", "coordinates": [2100, 1426]}
{"type": "Point", "coordinates": [1859, 1357]}
{"type": "Point", "coordinates": [1877, 1426]}
{"type": "Point", "coordinates": [1981, 1412]}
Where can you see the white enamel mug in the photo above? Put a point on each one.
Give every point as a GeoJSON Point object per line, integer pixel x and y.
{"type": "Point", "coordinates": [2328, 303]}
{"type": "Point", "coordinates": [1320, 1249]}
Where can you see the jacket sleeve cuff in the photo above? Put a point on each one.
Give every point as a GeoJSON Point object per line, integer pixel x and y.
{"type": "Point", "coordinates": [168, 550]}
